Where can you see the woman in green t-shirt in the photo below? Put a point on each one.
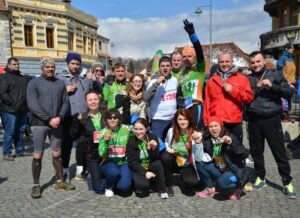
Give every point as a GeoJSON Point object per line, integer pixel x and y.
{"type": "Point", "coordinates": [183, 147]}
{"type": "Point", "coordinates": [143, 160]}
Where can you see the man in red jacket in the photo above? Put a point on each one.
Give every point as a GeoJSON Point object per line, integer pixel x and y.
{"type": "Point", "coordinates": [225, 93]}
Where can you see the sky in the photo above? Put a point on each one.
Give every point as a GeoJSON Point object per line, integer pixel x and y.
{"type": "Point", "coordinates": [138, 28]}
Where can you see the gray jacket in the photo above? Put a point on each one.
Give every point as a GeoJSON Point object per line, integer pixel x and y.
{"type": "Point", "coordinates": [77, 101]}
{"type": "Point", "coordinates": [47, 98]}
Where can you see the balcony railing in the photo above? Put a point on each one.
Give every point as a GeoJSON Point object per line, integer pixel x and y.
{"type": "Point", "coordinates": [280, 37]}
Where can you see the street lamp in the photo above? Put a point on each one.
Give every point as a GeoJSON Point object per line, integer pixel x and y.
{"type": "Point", "coordinates": [198, 12]}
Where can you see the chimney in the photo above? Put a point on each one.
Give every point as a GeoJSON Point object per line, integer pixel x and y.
{"type": "Point", "coordinates": [67, 1]}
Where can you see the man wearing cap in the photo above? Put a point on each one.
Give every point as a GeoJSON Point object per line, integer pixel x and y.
{"type": "Point", "coordinates": [76, 86]}
{"type": "Point", "coordinates": [225, 93]}
{"type": "Point", "coordinates": [98, 73]}
{"type": "Point", "coordinates": [286, 64]}
{"type": "Point", "coordinates": [48, 103]}
{"type": "Point", "coordinates": [264, 122]}
{"type": "Point", "coordinates": [14, 109]}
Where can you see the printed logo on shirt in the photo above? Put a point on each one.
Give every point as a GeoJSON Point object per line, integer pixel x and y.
{"type": "Point", "coordinates": [168, 97]}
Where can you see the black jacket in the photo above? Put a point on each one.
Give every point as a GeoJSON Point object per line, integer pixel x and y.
{"type": "Point", "coordinates": [47, 98]}
{"type": "Point", "coordinates": [133, 153]}
{"type": "Point", "coordinates": [267, 101]}
{"type": "Point", "coordinates": [13, 87]}
{"type": "Point", "coordinates": [234, 156]}
{"type": "Point", "coordinates": [83, 130]}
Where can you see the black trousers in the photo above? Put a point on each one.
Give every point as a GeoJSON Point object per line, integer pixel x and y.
{"type": "Point", "coordinates": [236, 129]}
{"type": "Point", "coordinates": [271, 130]}
{"type": "Point", "coordinates": [96, 175]}
{"type": "Point", "coordinates": [67, 142]}
{"type": "Point", "coordinates": [188, 173]}
{"type": "Point", "coordinates": [142, 184]}
{"type": "Point", "coordinates": [81, 151]}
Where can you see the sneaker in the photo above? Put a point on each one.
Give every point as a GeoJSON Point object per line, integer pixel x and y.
{"type": "Point", "coordinates": [36, 192]}
{"type": "Point", "coordinates": [81, 177]}
{"type": "Point", "coordinates": [248, 187]}
{"type": "Point", "coordinates": [24, 154]}
{"type": "Point", "coordinates": [170, 191]}
{"type": "Point", "coordinates": [236, 195]}
{"type": "Point", "coordinates": [248, 161]}
{"type": "Point", "coordinates": [259, 184]}
{"type": "Point", "coordinates": [208, 192]}
{"type": "Point", "coordinates": [109, 193]}
{"type": "Point", "coordinates": [289, 191]}
{"type": "Point", "coordinates": [64, 185]}
{"type": "Point", "coordinates": [8, 158]}
{"type": "Point", "coordinates": [164, 195]}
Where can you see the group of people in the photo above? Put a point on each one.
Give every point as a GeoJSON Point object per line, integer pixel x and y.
{"type": "Point", "coordinates": [131, 134]}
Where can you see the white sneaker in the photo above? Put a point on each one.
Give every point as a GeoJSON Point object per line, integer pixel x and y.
{"type": "Point", "coordinates": [249, 162]}
{"type": "Point", "coordinates": [164, 195]}
{"type": "Point", "coordinates": [109, 193]}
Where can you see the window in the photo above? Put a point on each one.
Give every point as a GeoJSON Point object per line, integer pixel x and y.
{"type": "Point", "coordinates": [84, 44]}
{"type": "Point", "coordinates": [284, 19]}
{"type": "Point", "coordinates": [99, 45]}
{"type": "Point", "coordinates": [50, 37]}
{"type": "Point", "coordinates": [92, 46]}
{"type": "Point", "coordinates": [294, 16]}
{"type": "Point", "coordinates": [28, 35]}
{"type": "Point", "coordinates": [71, 41]}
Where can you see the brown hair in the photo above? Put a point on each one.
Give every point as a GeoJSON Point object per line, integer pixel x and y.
{"type": "Point", "coordinates": [176, 130]}
{"type": "Point", "coordinates": [129, 87]}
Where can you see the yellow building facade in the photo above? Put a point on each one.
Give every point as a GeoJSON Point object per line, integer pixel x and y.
{"type": "Point", "coordinates": [51, 28]}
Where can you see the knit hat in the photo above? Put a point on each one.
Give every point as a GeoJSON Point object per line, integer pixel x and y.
{"type": "Point", "coordinates": [47, 60]}
{"type": "Point", "coordinates": [188, 50]}
{"type": "Point", "coordinates": [95, 65]}
{"type": "Point", "coordinates": [73, 56]}
{"type": "Point", "coordinates": [288, 46]}
{"type": "Point", "coordinates": [214, 119]}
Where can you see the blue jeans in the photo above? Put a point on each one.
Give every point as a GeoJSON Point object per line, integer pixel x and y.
{"type": "Point", "coordinates": [208, 171]}
{"type": "Point", "coordinates": [119, 176]}
{"type": "Point", "coordinates": [160, 128]}
{"type": "Point", "coordinates": [14, 125]}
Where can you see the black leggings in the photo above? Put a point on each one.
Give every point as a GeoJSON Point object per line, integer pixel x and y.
{"type": "Point", "coordinates": [188, 173]}
{"type": "Point", "coordinates": [81, 151]}
{"type": "Point", "coordinates": [142, 184]}
{"type": "Point", "coordinates": [95, 172]}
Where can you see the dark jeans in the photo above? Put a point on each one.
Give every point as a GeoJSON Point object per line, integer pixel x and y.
{"type": "Point", "coordinates": [208, 171]}
{"type": "Point", "coordinates": [142, 184]}
{"type": "Point", "coordinates": [188, 173]}
{"type": "Point", "coordinates": [119, 176]}
{"type": "Point", "coordinates": [14, 125]}
{"type": "Point", "coordinates": [236, 129]}
{"type": "Point", "coordinates": [160, 128]}
{"type": "Point", "coordinates": [271, 130]}
{"type": "Point", "coordinates": [81, 151]}
{"type": "Point", "coordinates": [67, 142]}
{"type": "Point", "coordinates": [96, 175]}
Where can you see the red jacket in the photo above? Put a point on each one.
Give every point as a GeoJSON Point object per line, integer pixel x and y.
{"type": "Point", "coordinates": [226, 106]}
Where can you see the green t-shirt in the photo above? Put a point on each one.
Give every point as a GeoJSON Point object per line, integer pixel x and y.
{"type": "Point", "coordinates": [144, 156]}
{"type": "Point", "coordinates": [115, 148]}
{"type": "Point", "coordinates": [176, 74]}
{"type": "Point", "coordinates": [96, 121]}
{"type": "Point", "coordinates": [181, 146]}
{"type": "Point", "coordinates": [192, 81]}
{"type": "Point", "coordinates": [110, 92]}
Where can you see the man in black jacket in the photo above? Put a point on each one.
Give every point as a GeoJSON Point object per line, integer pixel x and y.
{"type": "Point", "coordinates": [48, 102]}
{"type": "Point", "coordinates": [13, 108]}
{"type": "Point", "coordinates": [268, 86]}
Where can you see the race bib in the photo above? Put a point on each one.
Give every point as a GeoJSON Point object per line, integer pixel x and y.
{"type": "Point", "coordinates": [117, 151]}
{"type": "Point", "coordinates": [96, 136]}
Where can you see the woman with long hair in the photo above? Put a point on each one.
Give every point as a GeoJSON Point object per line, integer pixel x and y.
{"type": "Point", "coordinates": [133, 104]}
{"type": "Point", "coordinates": [112, 148]}
{"type": "Point", "coordinates": [86, 128]}
{"type": "Point", "coordinates": [183, 148]}
{"type": "Point", "coordinates": [224, 163]}
{"type": "Point", "coordinates": [143, 160]}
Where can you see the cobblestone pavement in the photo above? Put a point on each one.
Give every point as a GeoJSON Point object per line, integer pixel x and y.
{"type": "Point", "coordinates": [16, 184]}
